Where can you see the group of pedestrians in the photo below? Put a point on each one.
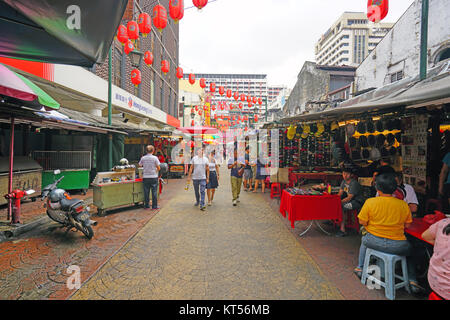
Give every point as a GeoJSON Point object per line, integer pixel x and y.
{"type": "Point", "coordinates": [205, 176]}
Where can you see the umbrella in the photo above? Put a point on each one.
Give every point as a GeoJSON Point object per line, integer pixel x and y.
{"type": "Point", "coordinates": [18, 87]}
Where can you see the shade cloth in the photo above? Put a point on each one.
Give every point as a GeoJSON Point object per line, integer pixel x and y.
{"type": "Point", "coordinates": [303, 207]}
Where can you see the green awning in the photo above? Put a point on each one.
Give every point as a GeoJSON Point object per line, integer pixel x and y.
{"type": "Point", "coordinates": [43, 97]}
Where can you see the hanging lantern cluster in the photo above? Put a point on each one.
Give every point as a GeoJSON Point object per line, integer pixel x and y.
{"type": "Point", "coordinates": [148, 58]}
{"type": "Point", "coordinates": [136, 77]}
{"type": "Point", "coordinates": [200, 3]}
{"type": "Point", "coordinates": [145, 24]}
{"type": "Point", "coordinates": [159, 17]}
{"type": "Point", "coordinates": [176, 9]}
{"type": "Point", "coordinates": [165, 66]}
{"type": "Point", "coordinates": [179, 73]}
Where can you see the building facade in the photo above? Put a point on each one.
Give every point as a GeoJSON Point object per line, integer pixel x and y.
{"type": "Point", "coordinates": [349, 40]}
{"type": "Point", "coordinates": [156, 88]}
{"type": "Point", "coordinates": [397, 56]}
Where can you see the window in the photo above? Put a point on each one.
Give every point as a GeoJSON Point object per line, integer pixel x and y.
{"type": "Point", "coordinates": [117, 68]}
{"type": "Point", "coordinates": [396, 76]}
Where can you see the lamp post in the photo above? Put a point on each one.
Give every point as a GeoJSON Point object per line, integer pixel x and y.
{"type": "Point", "coordinates": [110, 161]}
{"type": "Point", "coordinates": [424, 40]}
{"type": "Point", "coordinates": [136, 58]}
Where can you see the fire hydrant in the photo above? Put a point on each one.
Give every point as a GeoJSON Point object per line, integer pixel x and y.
{"type": "Point", "coordinates": [16, 196]}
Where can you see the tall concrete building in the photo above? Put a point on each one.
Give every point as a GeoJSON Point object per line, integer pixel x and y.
{"type": "Point", "coordinates": [349, 40]}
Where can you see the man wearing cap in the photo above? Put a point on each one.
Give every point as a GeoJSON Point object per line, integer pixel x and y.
{"type": "Point", "coordinates": [351, 194]}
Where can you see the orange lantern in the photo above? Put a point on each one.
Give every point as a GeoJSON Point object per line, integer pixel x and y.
{"type": "Point", "coordinates": [202, 83]}
{"type": "Point", "coordinates": [129, 46]}
{"type": "Point", "coordinates": [122, 34]}
{"type": "Point", "coordinates": [192, 78]}
{"type": "Point", "coordinates": [229, 93]}
{"type": "Point", "coordinates": [145, 24]}
{"type": "Point", "coordinates": [136, 77]}
{"type": "Point", "coordinates": [165, 66]}
{"type": "Point", "coordinates": [200, 3]}
{"type": "Point", "coordinates": [377, 10]}
{"type": "Point", "coordinates": [221, 90]}
{"type": "Point", "coordinates": [159, 17]}
{"type": "Point", "coordinates": [148, 58]}
{"type": "Point", "coordinates": [133, 30]}
{"type": "Point", "coordinates": [179, 73]}
{"type": "Point", "coordinates": [212, 87]}
{"type": "Point", "coordinates": [176, 9]}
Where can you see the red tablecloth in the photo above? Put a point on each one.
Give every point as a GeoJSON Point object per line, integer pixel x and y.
{"type": "Point", "coordinates": [298, 207]}
{"type": "Point", "coordinates": [418, 226]}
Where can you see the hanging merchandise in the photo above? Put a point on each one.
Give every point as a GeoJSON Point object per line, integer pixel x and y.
{"type": "Point", "coordinates": [133, 30]}
{"type": "Point", "coordinates": [145, 24]}
{"type": "Point", "coordinates": [179, 73]}
{"type": "Point", "coordinates": [361, 127]}
{"type": "Point", "coordinates": [136, 77]}
{"type": "Point", "coordinates": [291, 132]}
{"type": "Point", "coordinates": [350, 129]}
{"type": "Point", "coordinates": [334, 126]}
{"type": "Point", "coordinates": [375, 154]}
{"type": "Point", "coordinates": [129, 46]}
{"type": "Point", "coordinates": [377, 10]}
{"type": "Point", "coordinates": [176, 9]}
{"type": "Point", "coordinates": [380, 140]}
{"type": "Point", "coordinates": [165, 66]}
{"type": "Point", "coordinates": [306, 129]}
{"type": "Point", "coordinates": [371, 140]}
{"type": "Point", "coordinates": [148, 58]}
{"type": "Point", "coordinates": [122, 34]}
{"type": "Point", "coordinates": [192, 78]}
{"type": "Point", "coordinates": [200, 3]}
{"type": "Point", "coordinates": [370, 126]}
{"type": "Point", "coordinates": [159, 17]}
{"type": "Point", "coordinates": [363, 142]}
{"type": "Point", "coordinates": [379, 126]}
{"type": "Point", "coordinates": [390, 139]}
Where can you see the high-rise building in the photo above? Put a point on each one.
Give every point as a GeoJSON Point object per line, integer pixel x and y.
{"type": "Point", "coordinates": [254, 85]}
{"type": "Point", "coordinates": [350, 40]}
{"type": "Point", "coordinates": [273, 92]}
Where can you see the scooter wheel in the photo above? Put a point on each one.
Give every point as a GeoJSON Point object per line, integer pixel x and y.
{"type": "Point", "coordinates": [87, 231]}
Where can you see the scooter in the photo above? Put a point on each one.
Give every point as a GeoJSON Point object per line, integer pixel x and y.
{"type": "Point", "coordinates": [71, 213]}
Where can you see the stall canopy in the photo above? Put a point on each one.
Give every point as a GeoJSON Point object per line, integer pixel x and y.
{"type": "Point", "coordinates": [198, 130]}
{"type": "Point", "coordinates": [77, 32]}
{"type": "Point", "coordinates": [404, 93]}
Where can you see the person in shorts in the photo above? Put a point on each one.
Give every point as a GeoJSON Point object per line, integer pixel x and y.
{"type": "Point", "coordinates": [248, 172]}
{"type": "Point", "coordinates": [213, 177]}
{"type": "Point", "coordinates": [151, 166]}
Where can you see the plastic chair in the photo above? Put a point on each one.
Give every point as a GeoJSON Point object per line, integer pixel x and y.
{"type": "Point", "coordinates": [352, 220]}
{"type": "Point", "coordinates": [434, 296]}
{"type": "Point", "coordinates": [275, 190]}
{"type": "Point", "coordinates": [389, 260]}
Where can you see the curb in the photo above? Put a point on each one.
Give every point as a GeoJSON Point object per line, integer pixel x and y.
{"type": "Point", "coordinates": [15, 232]}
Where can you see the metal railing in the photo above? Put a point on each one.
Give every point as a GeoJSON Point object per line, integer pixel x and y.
{"type": "Point", "coordinates": [63, 160]}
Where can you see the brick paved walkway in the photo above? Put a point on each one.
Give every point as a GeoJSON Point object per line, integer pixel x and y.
{"type": "Point", "coordinates": [243, 252]}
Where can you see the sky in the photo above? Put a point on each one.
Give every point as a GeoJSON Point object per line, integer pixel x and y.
{"type": "Point", "coordinates": [273, 37]}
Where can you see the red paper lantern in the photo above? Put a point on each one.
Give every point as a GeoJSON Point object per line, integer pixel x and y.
{"type": "Point", "coordinates": [212, 87]}
{"type": "Point", "coordinates": [250, 104]}
{"type": "Point", "coordinates": [132, 30]}
{"type": "Point", "coordinates": [236, 96]}
{"type": "Point", "coordinates": [200, 112]}
{"type": "Point", "coordinates": [145, 23]}
{"type": "Point", "coordinates": [256, 118]}
{"type": "Point", "coordinates": [213, 108]}
{"type": "Point", "coordinates": [202, 83]}
{"type": "Point", "coordinates": [192, 124]}
{"type": "Point", "coordinates": [129, 46]}
{"type": "Point", "coordinates": [205, 107]}
{"type": "Point", "coordinates": [239, 118]}
{"type": "Point", "coordinates": [196, 108]}
{"type": "Point", "coordinates": [165, 66]}
{"type": "Point", "coordinates": [377, 10]}
{"type": "Point", "coordinates": [148, 58]}
{"type": "Point", "coordinates": [260, 101]}
{"type": "Point", "coordinates": [221, 90]}
{"type": "Point", "coordinates": [240, 105]}
{"type": "Point", "coordinates": [200, 3]}
{"type": "Point", "coordinates": [242, 97]}
{"type": "Point", "coordinates": [176, 9]}
{"type": "Point", "coordinates": [249, 99]}
{"type": "Point", "coordinates": [215, 117]}
{"type": "Point", "coordinates": [229, 93]}
{"type": "Point", "coordinates": [254, 100]}
{"type": "Point", "coordinates": [222, 107]}
{"type": "Point", "coordinates": [245, 118]}
{"type": "Point", "coordinates": [231, 106]}
{"type": "Point", "coordinates": [136, 77]}
{"type": "Point", "coordinates": [234, 118]}
{"type": "Point", "coordinates": [192, 110]}
{"type": "Point", "coordinates": [159, 17]}
{"type": "Point", "coordinates": [192, 78]}
{"type": "Point", "coordinates": [122, 34]}
{"type": "Point", "coordinates": [179, 73]}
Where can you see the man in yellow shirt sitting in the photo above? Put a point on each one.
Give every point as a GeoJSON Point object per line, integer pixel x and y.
{"type": "Point", "coordinates": [385, 219]}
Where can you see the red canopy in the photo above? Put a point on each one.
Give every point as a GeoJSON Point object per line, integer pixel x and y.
{"type": "Point", "coordinates": [198, 130]}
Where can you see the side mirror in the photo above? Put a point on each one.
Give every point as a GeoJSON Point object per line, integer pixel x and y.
{"type": "Point", "coordinates": [56, 172]}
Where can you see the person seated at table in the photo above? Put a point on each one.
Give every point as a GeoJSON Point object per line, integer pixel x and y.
{"type": "Point", "coordinates": [438, 234]}
{"type": "Point", "coordinates": [385, 219]}
{"type": "Point", "coordinates": [351, 194]}
{"type": "Point", "coordinates": [406, 193]}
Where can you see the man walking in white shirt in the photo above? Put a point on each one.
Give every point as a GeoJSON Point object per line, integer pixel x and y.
{"type": "Point", "coordinates": [199, 171]}
{"type": "Point", "coordinates": [150, 177]}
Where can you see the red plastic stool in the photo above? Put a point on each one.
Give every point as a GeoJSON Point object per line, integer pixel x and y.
{"type": "Point", "coordinates": [352, 220]}
{"type": "Point", "coordinates": [275, 190]}
{"type": "Point", "coordinates": [434, 296]}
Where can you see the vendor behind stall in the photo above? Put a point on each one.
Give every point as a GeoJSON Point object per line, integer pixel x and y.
{"type": "Point", "coordinates": [351, 194]}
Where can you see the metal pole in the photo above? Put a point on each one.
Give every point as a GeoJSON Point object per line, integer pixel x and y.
{"type": "Point", "coordinates": [424, 40]}
{"type": "Point", "coordinates": [110, 109]}
{"type": "Point", "coordinates": [266, 109]}
{"type": "Point", "coordinates": [11, 166]}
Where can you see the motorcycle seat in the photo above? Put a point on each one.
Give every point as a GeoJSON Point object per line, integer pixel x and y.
{"type": "Point", "coordinates": [67, 204]}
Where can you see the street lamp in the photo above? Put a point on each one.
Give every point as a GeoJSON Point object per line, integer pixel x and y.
{"type": "Point", "coordinates": [136, 58]}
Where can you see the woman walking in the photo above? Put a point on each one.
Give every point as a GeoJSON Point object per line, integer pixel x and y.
{"type": "Point", "coordinates": [213, 177]}
{"type": "Point", "coordinates": [261, 174]}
